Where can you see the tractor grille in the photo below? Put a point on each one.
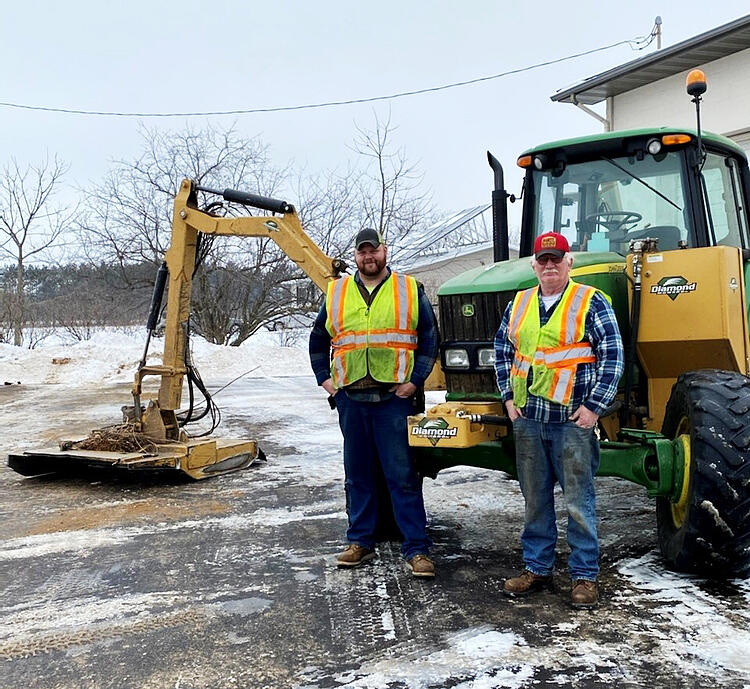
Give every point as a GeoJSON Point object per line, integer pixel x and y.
{"type": "Point", "coordinates": [456, 327]}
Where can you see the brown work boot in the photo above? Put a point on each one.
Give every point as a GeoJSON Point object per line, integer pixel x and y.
{"type": "Point", "coordinates": [421, 566]}
{"type": "Point", "coordinates": [525, 583]}
{"type": "Point", "coordinates": [354, 556]}
{"type": "Point", "coordinates": [584, 594]}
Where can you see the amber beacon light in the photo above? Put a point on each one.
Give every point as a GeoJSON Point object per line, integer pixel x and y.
{"type": "Point", "coordinates": [696, 82]}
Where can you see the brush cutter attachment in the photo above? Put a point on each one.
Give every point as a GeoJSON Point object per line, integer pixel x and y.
{"type": "Point", "coordinates": [122, 448]}
{"type": "Point", "coordinates": [151, 436]}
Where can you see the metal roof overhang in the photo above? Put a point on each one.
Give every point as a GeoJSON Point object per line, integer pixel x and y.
{"type": "Point", "coordinates": [711, 45]}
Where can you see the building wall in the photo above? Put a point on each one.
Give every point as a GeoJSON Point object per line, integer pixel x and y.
{"type": "Point", "coordinates": [725, 108]}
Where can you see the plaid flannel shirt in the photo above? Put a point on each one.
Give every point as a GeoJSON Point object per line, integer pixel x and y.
{"type": "Point", "coordinates": [595, 384]}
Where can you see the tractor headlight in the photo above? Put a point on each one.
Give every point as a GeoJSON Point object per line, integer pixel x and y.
{"type": "Point", "coordinates": [654, 147]}
{"type": "Point", "coordinates": [456, 358]}
{"type": "Point", "coordinates": [486, 358]}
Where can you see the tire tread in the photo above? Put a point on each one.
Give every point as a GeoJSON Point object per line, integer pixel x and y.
{"type": "Point", "coordinates": [711, 542]}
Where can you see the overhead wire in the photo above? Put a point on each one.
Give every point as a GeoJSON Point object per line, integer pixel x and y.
{"type": "Point", "coordinates": [644, 40]}
{"type": "Point", "coordinates": [639, 43]}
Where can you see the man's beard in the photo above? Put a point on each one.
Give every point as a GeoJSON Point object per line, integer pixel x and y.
{"type": "Point", "coordinates": [371, 268]}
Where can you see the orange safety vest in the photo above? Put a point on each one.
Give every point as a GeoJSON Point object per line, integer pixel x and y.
{"type": "Point", "coordinates": [380, 338]}
{"type": "Point", "coordinates": [552, 351]}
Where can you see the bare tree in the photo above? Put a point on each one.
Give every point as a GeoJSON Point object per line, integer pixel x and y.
{"type": "Point", "coordinates": [129, 220]}
{"type": "Point", "coordinates": [251, 296]}
{"type": "Point", "coordinates": [6, 313]}
{"type": "Point", "coordinates": [332, 208]}
{"type": "Point", "coordinates": [391, 187]}
{"type": "Point", "coordinates": [30, 225]}
{"type": "Point", "coordinates": [128, 217]}
{"type": "Point", "coordinates": [379, 189]}
{"type": "Point", "coordinates": [244, 284]}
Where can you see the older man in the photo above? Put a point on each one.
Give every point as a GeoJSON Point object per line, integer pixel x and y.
{"type": "Point", "coordinates": [373, 344]}
{"type": "Point", "coordinates": [559, 358]}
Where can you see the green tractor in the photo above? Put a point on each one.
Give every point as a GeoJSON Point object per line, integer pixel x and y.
{"type": "Point", "coordinates": [658, 220]}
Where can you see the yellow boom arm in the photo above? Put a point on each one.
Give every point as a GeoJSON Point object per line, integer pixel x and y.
{"type": "Point", "coordinates": [284, 229]}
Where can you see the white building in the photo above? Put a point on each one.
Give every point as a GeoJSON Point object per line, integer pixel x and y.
{"type": "Point", "coordinates": [449, 248]}
{"type": "Point", "coordinates": [650, 91]}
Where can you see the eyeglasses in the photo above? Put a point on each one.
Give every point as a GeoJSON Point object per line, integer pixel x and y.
{"type": "Point", "coordinates": [547, 258]}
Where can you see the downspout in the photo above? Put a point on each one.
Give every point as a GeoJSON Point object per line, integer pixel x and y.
{"type": "Point", "coordinates": [604, 120]}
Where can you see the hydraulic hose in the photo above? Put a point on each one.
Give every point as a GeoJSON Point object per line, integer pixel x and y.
{"type": "Point", "coordinates": [153, 311]}
{"type": "Point", "coordinates": [635, 314]}
{"type": "Point", "coordinates": [489, 419]}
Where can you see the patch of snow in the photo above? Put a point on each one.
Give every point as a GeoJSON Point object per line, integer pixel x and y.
{"type": "Point", "coordinates": [24, 621]}
{"type": "Point", "coordinates": [85, 540]}
{"type": "Point", "coordinates": [711, 509]}
{"type": "Point", "coordinates": [708, 636]}
{"type": "Point", "coordinates": [483, 653]}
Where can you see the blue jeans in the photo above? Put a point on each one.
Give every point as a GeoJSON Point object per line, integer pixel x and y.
{"type": "Point", "coordinates": [565, 453]}
{"type": "Point", "coordinates": [376, 431]}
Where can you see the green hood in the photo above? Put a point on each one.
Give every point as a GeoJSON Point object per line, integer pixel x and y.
{"type": "Point", "coordinates": [514, 274]}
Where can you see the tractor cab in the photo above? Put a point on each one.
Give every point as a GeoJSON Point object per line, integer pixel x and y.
{"type": "Point", "coordinates": [664, 184]}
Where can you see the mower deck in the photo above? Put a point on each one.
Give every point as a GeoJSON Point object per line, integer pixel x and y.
{"type": "Point", "coordinates": [200, 458]}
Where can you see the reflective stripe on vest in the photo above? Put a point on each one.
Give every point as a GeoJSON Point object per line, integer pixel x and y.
{"type": "Point", "coordinates": [553, 351]}
{"type": "Point", "coordinates": [379, 339]}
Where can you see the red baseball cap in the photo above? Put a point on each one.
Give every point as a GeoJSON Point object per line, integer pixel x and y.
{"type": "Point", "coordinates": [550, 243]}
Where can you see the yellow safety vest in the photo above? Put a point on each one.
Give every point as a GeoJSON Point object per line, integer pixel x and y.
{"type": "Point", "coordinates": [552, 351]}
{"type": "Point", "coordinates": [380, 338]}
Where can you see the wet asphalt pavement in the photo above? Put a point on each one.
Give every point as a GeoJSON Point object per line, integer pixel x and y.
{"type": "Point", "coordinates": [230, 582]}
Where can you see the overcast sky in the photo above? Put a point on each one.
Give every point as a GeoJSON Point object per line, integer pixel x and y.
{"type": "Point", "coordinates": [198, 56]}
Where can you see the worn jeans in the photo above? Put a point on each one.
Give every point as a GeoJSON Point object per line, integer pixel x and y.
{"type": "Point", "coordinates": [568, 454]}
{"type": "Point", "coordinates": [377, 431]}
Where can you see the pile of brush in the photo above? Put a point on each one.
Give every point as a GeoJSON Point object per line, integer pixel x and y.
{"type": "Point", "coordinates": [120, 438]}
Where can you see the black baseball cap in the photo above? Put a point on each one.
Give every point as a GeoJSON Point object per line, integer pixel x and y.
{"type": "Point", "coordinates": [368, 236]}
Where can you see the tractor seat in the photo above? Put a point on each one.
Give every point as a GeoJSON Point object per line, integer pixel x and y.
{"type": "Point", "coordinates": [668, 235]}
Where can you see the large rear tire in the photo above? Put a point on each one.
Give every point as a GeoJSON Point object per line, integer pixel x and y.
{"type": "Point", "coordinates": [707, 530]}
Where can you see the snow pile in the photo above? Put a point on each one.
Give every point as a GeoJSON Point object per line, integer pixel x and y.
{"type": "Point", "coordinates": [112, 357]}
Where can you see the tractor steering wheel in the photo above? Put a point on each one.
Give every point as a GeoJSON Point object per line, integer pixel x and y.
{"type": "Point", "coordinates": [615, 222]}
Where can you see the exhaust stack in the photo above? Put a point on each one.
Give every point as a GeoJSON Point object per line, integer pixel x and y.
{"type": "Point", "coordinates": [501, 251]}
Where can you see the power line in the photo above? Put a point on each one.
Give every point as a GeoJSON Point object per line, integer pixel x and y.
{"type": "Point", "coordinates": [635, 44]}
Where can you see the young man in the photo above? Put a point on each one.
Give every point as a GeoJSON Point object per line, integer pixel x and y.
{"type": "Point", "coordinates": [373, 344]}
{"type": "Point", "coordinates": [558, 359]}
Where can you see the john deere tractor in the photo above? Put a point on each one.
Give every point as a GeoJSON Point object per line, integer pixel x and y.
{"type": "Point", "coordinates": [658, 220]}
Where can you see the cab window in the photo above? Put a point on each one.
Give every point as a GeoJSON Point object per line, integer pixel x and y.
{"type": "Point", "coordinates": [726, 213]}
{"type": "Point", "coordinates": [601, 205]}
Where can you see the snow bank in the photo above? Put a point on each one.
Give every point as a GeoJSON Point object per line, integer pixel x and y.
{"type": "Point", "coordinates": [112, 357]}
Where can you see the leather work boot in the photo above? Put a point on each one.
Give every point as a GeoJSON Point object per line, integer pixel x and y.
{"type": "Point", "coordinates": [354, 556]}
{"type": "Point", "coordinates": [584, 595]}
{"type": "Point", "coordinates": [525, 583]}
{"type": "Point", "coordinates": [421, 566]}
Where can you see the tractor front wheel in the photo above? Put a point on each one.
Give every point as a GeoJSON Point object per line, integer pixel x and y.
{"type": "Point", "coordinates": [705, 528]}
